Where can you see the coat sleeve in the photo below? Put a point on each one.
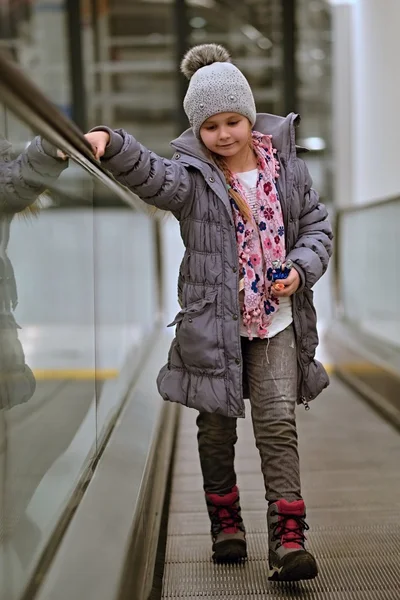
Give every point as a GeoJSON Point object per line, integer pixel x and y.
{"type": "Point", "coordinates": [23, 179]}
{"type": "Point", "coordinates": [163, 183]}
{"type": "Point", "coordinates": [313, 247]}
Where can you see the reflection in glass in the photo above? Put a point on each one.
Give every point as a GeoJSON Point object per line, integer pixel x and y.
{"type": "Point", "coordinates": [78, 302]}
{"type": "Point", "coordinates": [22, 180]}
{"type": "Point", "coordinates": [40, 413]}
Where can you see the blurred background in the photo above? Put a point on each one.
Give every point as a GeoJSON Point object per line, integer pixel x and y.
{"type": "Point", "coordinates": [86, 328]}
{"type": "Point", "coordinates": [116, 62]}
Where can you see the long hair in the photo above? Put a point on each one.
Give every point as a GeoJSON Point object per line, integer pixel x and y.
{"type": "Point", "coordinates": [241, 203]}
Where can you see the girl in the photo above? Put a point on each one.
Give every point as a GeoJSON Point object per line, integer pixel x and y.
{"type": "Point", "coordinates": [243, 199]}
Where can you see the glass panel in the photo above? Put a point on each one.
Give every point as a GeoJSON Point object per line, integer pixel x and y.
{"type": "Point", "coordinates": [47, 347]}
{"type": "Point", "coordinates": [370, 275]}
{"type": "Point", "coordinates": [126, 301]}
{"type": "Point", "coordinates": [78, 300]}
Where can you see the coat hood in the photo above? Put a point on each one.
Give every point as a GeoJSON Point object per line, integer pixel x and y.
{"type": "Point", "coordinates": [282, 130]}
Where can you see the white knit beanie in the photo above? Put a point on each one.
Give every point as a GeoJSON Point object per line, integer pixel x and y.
{"type": "Point", "coordinates": [216, 86]}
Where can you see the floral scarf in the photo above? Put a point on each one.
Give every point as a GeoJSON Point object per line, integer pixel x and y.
{"type": "Point", "coordinates": [260, 240]}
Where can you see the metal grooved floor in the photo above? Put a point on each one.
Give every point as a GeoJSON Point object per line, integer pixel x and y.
{"type": "Point", "coordinates": [351, 485]}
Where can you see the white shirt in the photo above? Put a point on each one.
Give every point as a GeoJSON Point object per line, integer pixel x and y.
{"type": "Point", "coordinates": [284, 316]}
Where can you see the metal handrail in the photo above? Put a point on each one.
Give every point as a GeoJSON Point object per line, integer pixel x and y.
{"type": "Point", "coordinates": [366, 205]}
{"type": "Point", "coordinates": [27, 101]}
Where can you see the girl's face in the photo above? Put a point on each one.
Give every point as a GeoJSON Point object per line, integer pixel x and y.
{"type": "Point", "coordinates": [226, 134]}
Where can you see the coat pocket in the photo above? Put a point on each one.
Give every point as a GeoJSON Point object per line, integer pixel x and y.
{"type": "Point", "coordinates": [197, 334]}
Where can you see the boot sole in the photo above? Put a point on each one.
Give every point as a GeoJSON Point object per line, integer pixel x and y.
{"type": "Point", "coordinates": [299, 567]}
{"type": "Point", "coordinates": [230, 551]}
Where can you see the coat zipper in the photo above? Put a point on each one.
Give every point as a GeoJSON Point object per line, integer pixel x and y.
{"type": "Point", "coordinates": [305, 403]}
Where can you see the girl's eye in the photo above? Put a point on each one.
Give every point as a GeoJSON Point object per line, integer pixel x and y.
{"type": "Point", "coordinates": [233, 123]}
{"type": "Point", "coordinates": [210, 127]}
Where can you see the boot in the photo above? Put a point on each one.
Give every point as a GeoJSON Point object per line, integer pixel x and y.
{"type": "Point", "coordinates": [288, 558]}
{"type": "Point", "coordinates": [227, 530]}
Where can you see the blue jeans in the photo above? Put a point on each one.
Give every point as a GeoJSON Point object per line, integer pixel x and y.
{"type": "Point", "coordinates": [271, 368]}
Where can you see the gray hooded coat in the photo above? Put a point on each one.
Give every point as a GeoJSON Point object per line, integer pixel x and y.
{"type": "Point", "coordinates": [204, 369]}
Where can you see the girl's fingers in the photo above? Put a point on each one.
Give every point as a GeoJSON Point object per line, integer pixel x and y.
{"type": "Point", "coordinates": [286, 290]}
{"type": "Point", "coordinates": [61, 154]}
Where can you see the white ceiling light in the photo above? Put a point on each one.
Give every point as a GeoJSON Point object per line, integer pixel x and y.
{"type": "Point", "coordinates": [256, 36]}
{"type": "Point", "coordinates": [264, 43]}
{"type": "Point", "coordinates": [197, 22]}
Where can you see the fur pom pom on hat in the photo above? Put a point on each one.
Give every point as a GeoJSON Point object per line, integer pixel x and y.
{"type": "Point", "coordinates": [216, 86]}
{"type": "Point", "coordinates": [201, 56]}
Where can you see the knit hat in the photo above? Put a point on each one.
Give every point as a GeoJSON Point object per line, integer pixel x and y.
{"type": "Point", "coordinates": [216, 86]}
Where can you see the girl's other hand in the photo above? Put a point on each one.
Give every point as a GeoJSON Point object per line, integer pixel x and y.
{"type": "Point", "coordinates": [290, 285]}
{"type": "Point", "coordinates": [98, 140]}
